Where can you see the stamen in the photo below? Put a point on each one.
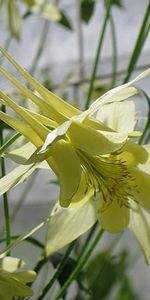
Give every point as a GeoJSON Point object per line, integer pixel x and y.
{"type": "Point", "coordinates": [110, 177]}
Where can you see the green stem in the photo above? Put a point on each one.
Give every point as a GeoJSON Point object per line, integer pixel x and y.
{"type": "Point", "coordinates": [57, 273]}
{"type": "Point", "coordinates": [5, 198]}
{"type": "Point", "coordinates": [9, 142]}
{"type": "Point", "coordinates": [98, 52]}
{"type": "Point", "coordinates": [114, 54]}
{"type": "Point", "coordinates": [21, 200]}
{"type": "Point", "coordinates": [147, 125]}
{"type": "Point", "coordinates": [144, 30]}
{"type": "Point", "coordinates": [40, 47]}
{"type": "Point", "coordinates": [88, 239]}
{"type": "Point", "coordinates": [80, 41]}
{"type": "Point", "coordinates": [6, 46]}
{"type": "Point", "coordinates": [79, 266]}
{"type": "Point", "coordinates": [29, 239]}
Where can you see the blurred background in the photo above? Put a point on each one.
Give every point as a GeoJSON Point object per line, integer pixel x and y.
{"type": "Point", "coordinates": [57, 43]}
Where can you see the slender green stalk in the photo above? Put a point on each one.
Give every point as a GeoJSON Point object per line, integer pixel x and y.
{"type": "Point", "coordinates": [98, 53]}
{"type": "Point", "coordinates": [6, 46]}
{"type": "Point", "coordinates": [41, 46]}
{"type": "Point", "coordinates": [114, 54]}
{"type": "Point", "coordinates": [21, 200]}
{"type": "Point", "coordinates": [9, 142]}
{"type": "Point", "coordinates": [144, 30]}
{"type": "Point", "coordinates": [80, 40]}
{"type": "Point", "coordinates": [29, 239]}
{"type": "Point", "coordinates": [58, 271]}
{"type": "Point", "coordinates": [5, 198]}
{"type": "Point", "coordinates": [147, 125]}
{"type": "Point", "coordinates": [82, 261]}
{"type": "Point", "coordinates": [88, 239]}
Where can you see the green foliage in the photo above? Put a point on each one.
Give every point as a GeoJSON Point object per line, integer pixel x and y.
{"type": "Point", "coordinates": [118, 3]}
{"type": "Point", "coordinates": [126, 291]}
{"type": "Point", "coordinates": [103, 273]}
{"type": "Point", "coordinates": [64, 21]}
{"type": "Point", "coordinates": [66, 132]}
{"type": "Point", "coordinates": [87, 9]}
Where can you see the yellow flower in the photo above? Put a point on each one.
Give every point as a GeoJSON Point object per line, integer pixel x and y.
{"type": "Point", "coordinates": [123, 200]}
{"type": "Point", "coordinates": [99, 169]}
{"type": "Point", "coordinates": [13, 282]}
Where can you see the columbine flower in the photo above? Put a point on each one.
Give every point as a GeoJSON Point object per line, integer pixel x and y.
{"type": "Point", "coordinates": [123, 198]}
{"type": "Point", "coordinates": [98, 167]}
{"type": "Point", "coordinates": [13, 282]}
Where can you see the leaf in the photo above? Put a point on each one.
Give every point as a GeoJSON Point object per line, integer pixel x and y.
{"type": "Point", "coordinates": [87, 9]}
{"type": "Point", "coordinates": [103, 273]}
{"type": "Point", "coordinates": [65, 225]}
{"type": "Point", "coordinates": [126, 291]}
{"type": "Point", "coordinates": [64, 21]}
{"type": "Point", "coordinates": [118, 3]}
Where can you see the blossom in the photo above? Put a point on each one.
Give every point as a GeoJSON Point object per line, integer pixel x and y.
{"type": "Point", "coordinates": [124, 200]}
{"type": "Point", "coordinates": [100, 170]}
{"type": "Point", "coordinates": [13, 282]}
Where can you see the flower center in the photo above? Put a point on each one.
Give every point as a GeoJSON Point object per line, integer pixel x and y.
{"type": "Point", "coordinates": [109, 177]}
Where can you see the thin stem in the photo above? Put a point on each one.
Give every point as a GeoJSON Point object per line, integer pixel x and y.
{"type": "Point", "coordinates": [9, 142]}
{"type": "Point", "coordinates": [5, 198]}
{"type": "Point", "coordinates": [21, 200]}
{"type": "Point", "coordinates": [144, 30]}
{"type": "Point", "coordinates": [114, 49]}
{"type": "Point", "coordinates": [80, 41]}
{"type": "Point", "coordinates": [98, 52]}
{"type": "Point", "coordinates": [147, 125]}
{"type": "Point", "coordinates": [57, 273]}
{"type": "Point", "coordinates": [29, 239]}
{"type": "Point", "coordinates": [82, 261]}
{"type": "Point", "coordinates": [6, 46]}
{"type": "Point", "coordinates": [88, 239]}
{"type": "Point", "coordinates": [40, 47]}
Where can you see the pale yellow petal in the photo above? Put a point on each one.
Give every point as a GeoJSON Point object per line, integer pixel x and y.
{"type": "Point", "coordinates": [66, 225]}
{"type": "Point", "coordinates": [119, 116]}
{"type": "Point", "coordinates": [141, 191]}
{"type": "Point", "coordinates": [113, 218]}
{"type": "Point", "coordinates": [94, 142]}
{"type": "Point", "coordinates": [140, 226]}
{"type": "Point", "coordinates": [66, 165]}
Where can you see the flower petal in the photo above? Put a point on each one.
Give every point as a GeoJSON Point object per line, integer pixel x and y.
{"type": "Point", "coordinates": [11, 264]}
{"type": "Point", "coordinates": [142, 189]}
{"type": "Point", "coordinates": [134, 154]}
{"type": "Point", "coordinates": [119, 116]}
{"type": "Point", "coordinates": [66, 225]}
{"type": "Point", "coordinates": [114, 94]}
{"type": "Point", "coordinates": [65, 109]}
{"type": "Point", "coordinates": [114, 218]}
{"type": "Point", "coordinates": [140, 226]}
{"type": "Point", "coordinates": [94, 142]}
{"type": "Point", "coordinates": [65, 163]}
